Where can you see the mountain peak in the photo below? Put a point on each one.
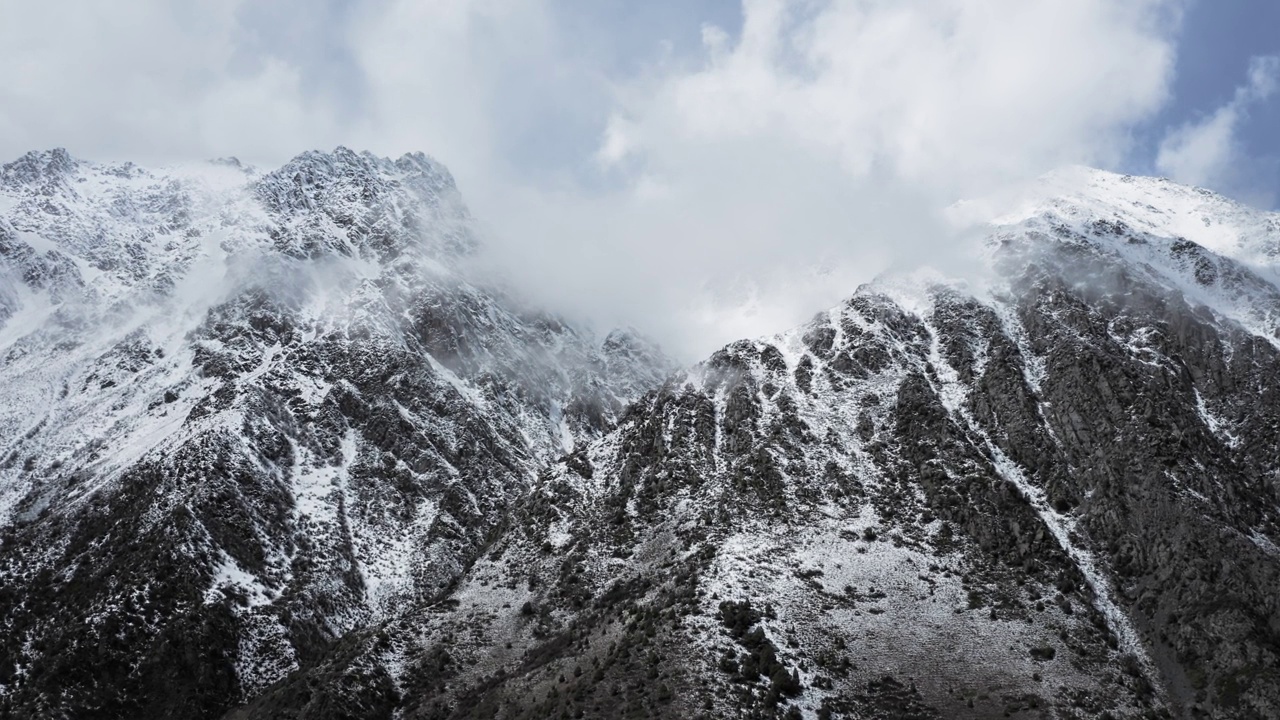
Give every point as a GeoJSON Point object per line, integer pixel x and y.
{"type": "Point", "coordinates": [1155, 205]}
{"type": "Point", "coordinates": [38, 165]}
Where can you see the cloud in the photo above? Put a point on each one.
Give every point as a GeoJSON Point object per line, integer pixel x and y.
{"type": "Point", "coordinates": [952, 93]}
{"type": "Point", "coordinates": [145, 80]}
{"type": "Point", "coordinates": [701, 193]}
{"type": "Point", "coordinates": [1207, 152]}
{"type": "Point", "coordinates": [784, 166]}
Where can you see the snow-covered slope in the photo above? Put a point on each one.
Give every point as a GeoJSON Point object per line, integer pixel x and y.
{"type": "Point", "coordinates": [320, 473]}
{"type": "Point", "coordinates": [1157, 206]}
{"type": "Point", "coordinates": [1215, 252]}
{"type": "Point", "coordinates": [268, 403]}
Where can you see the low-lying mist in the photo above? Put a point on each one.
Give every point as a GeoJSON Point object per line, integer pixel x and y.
{"type": "Point", "coordinates": [699, 262]}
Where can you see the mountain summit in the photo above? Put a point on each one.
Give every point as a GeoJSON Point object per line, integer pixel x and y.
{"type": "Point", "coordinates": [267, 450]}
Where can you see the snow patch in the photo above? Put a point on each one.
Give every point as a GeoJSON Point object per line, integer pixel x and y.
{"type": "Point", "coordinates": [1216, 425]}
{"type": "Point", "coordinates": [228, 574]}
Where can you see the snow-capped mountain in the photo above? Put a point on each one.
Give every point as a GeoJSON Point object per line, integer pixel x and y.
{"type": "Point", "coordinates": [246, 414]}
{"type": "Point", "coordinates": [272, 453]}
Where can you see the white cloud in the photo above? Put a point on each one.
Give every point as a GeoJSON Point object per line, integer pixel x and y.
{"type": "Point", "coordinates": [1207, 152]}
{"type": "Point", "coordinates": [1201, 153]}
{"type": "Point", "coordinates": [704, 198]}
{"type": "Point", "coordinates": [792, 163]}
{"type": "Point", "coordinates": [952, 93]}
{"type": "Point", "coordinates": [144, 80]}
{"type": "Point", "coordinates": [1264, 77]}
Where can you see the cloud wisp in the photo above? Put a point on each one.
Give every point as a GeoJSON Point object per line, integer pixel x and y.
{"type": "Point", "coordinates": [705, 196]}
{"type": "Point", "coordinates": [1207, 152]}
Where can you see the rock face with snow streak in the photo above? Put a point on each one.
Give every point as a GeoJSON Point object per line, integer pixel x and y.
{"type": "Point", "coordinates": [340, 480]}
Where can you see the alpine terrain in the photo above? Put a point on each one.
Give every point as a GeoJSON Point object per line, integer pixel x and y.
{"type": "Point", "coordinates": [271, 447]}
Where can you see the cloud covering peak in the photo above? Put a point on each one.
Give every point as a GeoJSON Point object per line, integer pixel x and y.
{"type": "Point", "coordinates": [699, 192]}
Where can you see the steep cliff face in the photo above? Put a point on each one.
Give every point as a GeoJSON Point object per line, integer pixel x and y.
{"type": "Point", "coordinates": [343, 481]}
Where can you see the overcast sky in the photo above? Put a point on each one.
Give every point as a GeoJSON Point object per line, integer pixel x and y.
{"type": "Point", "coordinates": [734, 165]}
